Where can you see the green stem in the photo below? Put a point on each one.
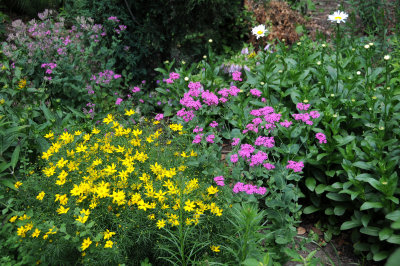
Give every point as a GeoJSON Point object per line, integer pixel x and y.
{"type": "Point", "coordinates": [337, 56]}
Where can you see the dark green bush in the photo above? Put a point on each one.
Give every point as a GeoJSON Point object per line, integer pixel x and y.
{"type": "Point", "coordinates": [161, 30]}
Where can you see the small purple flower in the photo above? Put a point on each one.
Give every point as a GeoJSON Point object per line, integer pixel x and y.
{"type": "Point", "coordinates": [321, 137]}
{"type": "Point", "coordinates": [213, 124]}
{"type": "Point", "coordinates": [210, 138]}
{"type": "Point", "coordinates": [118, 101]}
{"type": "Point", "coordinates": [159, 117]}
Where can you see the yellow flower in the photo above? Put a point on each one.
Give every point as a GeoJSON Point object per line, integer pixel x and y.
{"type": "Point", "coordinates": [40, 196]}
{"type": "Point", "coordinates": [17, 184]}
{"type": "Point", "coordinates": [95, 131]}
{"type": "Point", "coordinates": [49, 135]}
{"type": "Point", "coordinates": [119, 197]}
{"type": "Point", "coordinates": [108, 119]}
{"type": "Point", "coordinates": [189, 206]}
{"type": "Point", "coordinates": [176, 127]}
{"type": "Point", "coordinates": [22, 84]}
{"type": "Point", "coordinates": [36, 233]}
{"type": "Point", "coordinates": [215, 248]}
{"type": "Point", "coordinates": [77, 133]}
{"type": "Point", "coordinates": [108, 234]}
{"type": "Point", "coordinates": [82, 219]}
{"type": "Point", "coordinates": [12, 219]}
{"type": "Point", "coordinates": [2, 101]}
{"type": "Point", "coordinates": [86, 243]}
{"type": "Point", "coordinates": [62, 210]}
{"type": "Point", "coordinates": [161, 223]}
{"type": "Point", "coordinates": [81, 147]}
{"type": "Point", "coordinates": [130, 112]}
{"type": "Point", "coordinates": [108, 244]}
{"type": "Point", "coordinates": [24, 217]}
{"type": "Point", "coordinates": [212, 190]}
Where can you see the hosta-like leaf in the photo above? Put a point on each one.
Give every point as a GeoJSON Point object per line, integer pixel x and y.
{"type": "Point", "coordinates": [370, 205]}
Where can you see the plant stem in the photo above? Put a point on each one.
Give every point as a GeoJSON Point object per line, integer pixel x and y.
{"type": "Point", "coordinates": [337, 56]}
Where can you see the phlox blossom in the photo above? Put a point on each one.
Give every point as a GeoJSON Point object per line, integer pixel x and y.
{"type": "Point", "coordinates": [255, 92]}
{"type": "Point", "coordinates": [296, 166]}
{"type": "Point", "coordinates": [213, 124]}
{"type": "Point", "coordinates": [210, 138]}
{"type": "Point", "coordinates": [118, 101]}
{"type": "Point", "coordinates": [219, 180]}
{"type": "Point", "coordinates": [158, 117]}
{"type": "Point", "coordinates": [321, 137]}
{"type": "Point", "coordinates": [236, 76]}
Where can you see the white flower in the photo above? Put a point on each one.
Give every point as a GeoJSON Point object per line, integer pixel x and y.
{"type": "Point", "coordinates": [386, 57]}
{"type": "Point", "coordinates": [186, 78]}
{"type": "Point", "coordinates": [366, 46]}
{"type": "Point", "coordinates": [259, 31]}
{"type": "Point", "coordinates": [358, 72]}
{"type": "Point", "coordinates": [338, 16]}
{"type": "Point", "coordinates": [210, 40]}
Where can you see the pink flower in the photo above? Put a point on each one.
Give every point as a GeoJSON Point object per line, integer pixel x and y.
{"type": "Point", "coordinates": [174, 75]}
{"type": "Point", "coordinates": [197, 129]}
{"type": "Point", "coordinates": [197, 139]}
{"type": "Point", "coordinates": [159, 117]}
{"type": "Point", "coordinates": [302, 106]}
{"type": "Point", "coordinates": [234, 158]}
{"type": "Point", "coordinates": [296, 166]}
{"type": "Point", "coordinates": [210, 138]}
{"type": "Point", "coordinates": [286, 123]}
{"type": "Point", "coordinates": [269, 166]}
{"type": "Point", "coordinates": [135, 89]}
{"type": "Point", "coordinates": [255, 92]}
{"type": "Point", "coordinates": [238, 187]}
{"type": "Point", "coordinates": [246, 150]}
{"type": "Point", "coordinates": [235, 141]}
{"type": "Point", "coordinates": [321, 137]}
{"type": "Point", "coordinates": [258, 158]}
{"type": "Point", "coordinates": [236, 76]}
{"type": "Point", "coordinates": [213, 124]}
{"type": "Point", "coordinates": [118, 101]}
{"type": "Point", "coordinates": [169, 81]}
{"type": "Point", "coordinates": [219, 180]}
{"type": "Point", "coordinates": [268, 142]}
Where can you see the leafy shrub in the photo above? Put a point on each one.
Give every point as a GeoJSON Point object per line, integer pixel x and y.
{"type": "Point", "coordinates": [159, 30]}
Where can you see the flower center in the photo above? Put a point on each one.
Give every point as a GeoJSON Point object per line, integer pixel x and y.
{"type": "Point", "coordinates": [260, 32]}
{"type": "Point", "coordinates": [338, 18]}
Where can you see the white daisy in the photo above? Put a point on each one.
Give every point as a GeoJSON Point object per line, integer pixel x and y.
{"type": "Point", "coordinates": [338, 16]}
{"type": "Point", "coordinates": [259, 31]}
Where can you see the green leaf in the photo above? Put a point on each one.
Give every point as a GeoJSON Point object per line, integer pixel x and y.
{"type": "Point", "coordinates": [339, 210]}
{"type": "Point", "coordinates": [394, 239]}
{"type": "Point", "coordinates": [310, 183]}
{"type": "Point", "coordinates": [332, 72]}
{"type": "Point", "coordinates": [370, 230]}
{"type": "Point", "coordinates": [385, 233]}
{"type": "Point", "coordinates": [363, 165]}
{"type": "Point", "coordinates": [343, 141]}
{"type": "Point", "coordinates": [8, 183]}
{"type": "Point", "coordinates": [370, 205]}
{"type": "Point", "coordinates": [320, 188]}
{"type": "Point", "coordinates": [310, 209]}
{"type": "Point", "coordinates": [15, 156]}
{"type": "Point", "coordinates": [350, 224]}
{"type": "Point", "coordinates": [394, 258]}
{"type": "Point", "coordinates": [251, 262]}
{"type": "Point", "coordinates": [337, 197]}
{"type": "Point", "coordinates": [394, 216]}
{"type": "Point", "coordinates": [381, 255]}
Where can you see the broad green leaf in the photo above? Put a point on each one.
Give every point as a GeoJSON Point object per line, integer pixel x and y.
{"type": "Point", "coordinates": [350, 224]}
{"type": "Point", "coordinates": [339, 210]}
{"type": "Point", "coordinates": [381, 255]}
{"type": "Point", "coordinates": [370, 205]}
{"type": "Point", "coordinates": [370, 230]}
{"type": "Point", "coordinates": [385, 233]}
{"type": "Point", "coordinates": [363, 165]}
{"type": "Point", "coordinates": [8, 183]}
{"type": "Point", "coordinates": [320, 188]}
{"type": "Point", "coordinates": [394, 258]}
{"type": "Point", "coordinates": [310, 183]}
{"type": "Point", "coordinates": [394, 239]}
{"type": "Point", "coordinates": [310, 209]}
{"type": "Point", "coordinates": [394, 216]}
{"type": "Point", "coordinates": [337, 197]}
{"type": "Point", "coordinates": [15, 156]}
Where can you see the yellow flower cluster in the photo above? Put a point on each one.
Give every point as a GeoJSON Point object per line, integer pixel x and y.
{"type": "Point", "coordinates": [117, 170]}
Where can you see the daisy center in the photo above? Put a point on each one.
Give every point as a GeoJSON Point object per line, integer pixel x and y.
{"type": "Point", "coordinates": [260, 32]}
{"type": "Point", "coordinates": [338, 18]}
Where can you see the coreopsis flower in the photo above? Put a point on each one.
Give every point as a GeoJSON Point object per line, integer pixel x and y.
{"type": "Point", "coordinates": [338, 17]}
{"type": "Point", "coordinates": [259, 31]}
{"type": "Point", "coordinates": [86, 243]}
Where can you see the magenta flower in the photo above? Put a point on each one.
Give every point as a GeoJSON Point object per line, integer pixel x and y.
{"type": "Point", "coordinates": [197, 139]}
{"type": "Point", "coordinates": [236, 76]}
{"type": "Point", "coordinates": [235, 141]}
{"type": "Point", "coordinates": [269, 166]}
{"type": "Point", "coordinates": [118, 101]}
{"type": "Point", "coordinates": [219, 180]}
{"type": "Point", "coordinates": [255, 92]}
{"type": "Point", "coordinates": [174, 75]}
{"type": "Point", "coordinates": [302, 106]}
{"type": "Point", "coordinates": [234, 158]}
{"type": "Point", "coordinates": [321, 137]}
{"type": "Point", "coordinates": [296, 166]}
{"type": "Point", "coordinates": [159, 117]}
{"type": "Point", "coordinates": [210, 138]}
{"type": "Point", "coordinates": [213, 124]}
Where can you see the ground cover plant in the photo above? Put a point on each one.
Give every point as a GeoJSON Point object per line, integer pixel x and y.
{"type": "Point", "coordinates": [215, 164]}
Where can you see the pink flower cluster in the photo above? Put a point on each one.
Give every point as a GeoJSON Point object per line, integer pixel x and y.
{"type": "Point", "coordinates": [113, 19]}
{"type": "Point", "coordinates": [286, 123]}
{"type": "Point", "coordinates": [267, 142]}
{"type": "Point", "coordinates": [186, 115]}
{"type": "Point", "coordinates": [210, 138]}
{"type": "Point", "coordinates": [197, 129]}
{"type": "Point", "coordinates": [49, 67]}
{"type": "Point", "coordinates": [209, 98]}
{"type": "Point", "coordinates": [268, 115]}
{"type": "Point", "coordinates": [249, 189]}
{"type": "Point", "coordinates": [213, 124]}
{"type": "Point", "coordinates": [246, 150]}
{"type": "Point", "coordinates": [258, 158]}
{"type": "Point", "coordinates": [306, 117]}
{"type": "Point", "coordinates": [302, 106]}
{"type": "Point", "coordinates": [321, 137]}
{"type": "Point", "coordinates": [197, 139]}
{"type": "Point", "coordinates": [256, 92]}
{"type": "Point", "coordinates": [219, 180]}
{"type": "Point", "coordinates": [105, 77]}
{"type": "Point", "coordinates": [135, 89]}
{"type": "Point", "coordinates": [172, 76]}
{"type": "Point", "coordinates": [235, 141]}
{"type": "Point", "coordinates": [236, 75]}
{"type": "Point", "coordinates": [158, 117]}
{"type": "Point", "coordinates": [118, 101]}
{"type": "Point", "coordinates": [296, 166]}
